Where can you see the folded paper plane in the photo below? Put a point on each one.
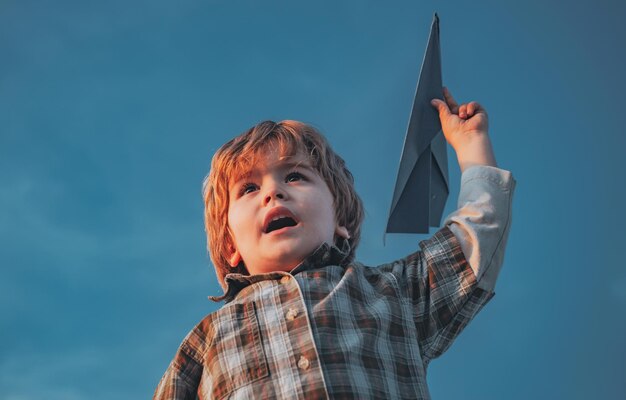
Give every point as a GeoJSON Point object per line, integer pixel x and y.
{"type": "Point", "coordinates": [421, 188]}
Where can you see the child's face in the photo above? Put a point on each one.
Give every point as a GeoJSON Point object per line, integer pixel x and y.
{"type": "Point", "coordinates": [279, 213]}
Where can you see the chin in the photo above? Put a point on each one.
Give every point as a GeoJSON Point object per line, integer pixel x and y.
{"type": "Point", "coordinates": [287, 264]}
{"type": "Point", "coordinates": [291, 252]}
{"type": "Point", "coordinates": [286, 256]}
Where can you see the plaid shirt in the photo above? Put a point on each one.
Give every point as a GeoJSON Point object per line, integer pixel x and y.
{"type": "Point", "coordinates": [333, 330]}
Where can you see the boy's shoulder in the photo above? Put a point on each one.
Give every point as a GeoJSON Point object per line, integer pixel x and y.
{"type": "Point", "coordinates": [201, 337]}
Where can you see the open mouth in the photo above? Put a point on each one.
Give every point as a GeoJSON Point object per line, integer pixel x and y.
{"type": "Point", "coordinates": [280, 223]}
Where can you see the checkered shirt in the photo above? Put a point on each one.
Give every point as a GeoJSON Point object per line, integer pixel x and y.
{"type": "Point", "coordinates": [328, 330]}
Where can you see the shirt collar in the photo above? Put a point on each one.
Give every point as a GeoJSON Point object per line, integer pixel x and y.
{"type": "Point", "coordinates": [325, 255]}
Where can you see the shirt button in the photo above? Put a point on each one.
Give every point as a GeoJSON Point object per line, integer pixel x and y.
{"type": "Point", "coordinates": [285, 279]}
{"type": "Point", "coordinates": [303, 363]}
{"type": "Point", "coordinates": [292, 314]}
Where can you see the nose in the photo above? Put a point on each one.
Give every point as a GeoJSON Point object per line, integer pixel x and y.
{"type": "Point", "coordinates": [274, 193]}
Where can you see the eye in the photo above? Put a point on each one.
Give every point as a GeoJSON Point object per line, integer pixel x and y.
{"type": "Point", "coordinates": [294, 177]}
{"type": "Point", "coordinates": [247, 188]}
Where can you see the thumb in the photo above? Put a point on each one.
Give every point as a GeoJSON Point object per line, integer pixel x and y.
{"type": "Point", "coordinates": [441, 106]}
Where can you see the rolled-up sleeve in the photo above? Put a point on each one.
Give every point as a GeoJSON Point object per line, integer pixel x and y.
{"type": "Point", "coordinates": [483, 219]}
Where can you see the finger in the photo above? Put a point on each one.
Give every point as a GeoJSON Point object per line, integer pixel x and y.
{"type": "Point", "coordinates": [441, 107]}
{"type": "Point", "coordinates": [454, 106]}
{"type": "Point", "coordinates": [463, 111]}
{"type": "Point", "coordinates": [472, 108]}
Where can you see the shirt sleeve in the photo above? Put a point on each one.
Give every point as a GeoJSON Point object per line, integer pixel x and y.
{"type": "Point", "coordinates": [443, 291]}
{"type": "Point", "coordinates": [182, 377]}
{"type": "Point", "coordinates": [483, 219]}
{"type": "Point", "coordinates": [453, 276]}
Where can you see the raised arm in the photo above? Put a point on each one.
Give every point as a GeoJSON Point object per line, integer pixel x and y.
{"type": "Point", "coordinates": [483, 218]}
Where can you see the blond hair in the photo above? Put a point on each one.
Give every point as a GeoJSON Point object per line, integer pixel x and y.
{"type": "Point", "coordinates": [237, 157]}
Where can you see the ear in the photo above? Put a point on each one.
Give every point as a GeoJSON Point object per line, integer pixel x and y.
{"type": "Point", "coordinates": [235, 258]}
{"type": "Point", "coordinates": [342, 231]}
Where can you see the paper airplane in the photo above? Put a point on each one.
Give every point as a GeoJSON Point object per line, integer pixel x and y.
{"type": "Point", "coordinates": [421, 188]}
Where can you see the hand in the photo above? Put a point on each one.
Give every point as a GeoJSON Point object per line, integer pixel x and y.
{"type": "Point", "coordinates": [465, 128]}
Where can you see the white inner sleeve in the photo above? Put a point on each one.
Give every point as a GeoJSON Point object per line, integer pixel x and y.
{"type": "Point", "coordinates": [483, 219]}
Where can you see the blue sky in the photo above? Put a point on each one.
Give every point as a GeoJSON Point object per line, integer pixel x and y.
{"type": "Point", "coordinates": [110, 113]}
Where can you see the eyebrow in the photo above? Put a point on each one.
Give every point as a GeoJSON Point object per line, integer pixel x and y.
{"type": "Point", "coordinates": [300, 164]}
{"type": "Point", "coordinates": [304, 164]}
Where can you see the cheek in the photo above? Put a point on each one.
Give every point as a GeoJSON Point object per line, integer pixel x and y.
{"type": "Point", "coordinates": [234, 223]}
{"type": "Point", "coordinates": [241, 220]}
{"type": "Point", "coordinates": [326, 217]}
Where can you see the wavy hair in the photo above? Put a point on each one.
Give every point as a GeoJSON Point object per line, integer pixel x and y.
{"type": "Point", "coordinates": [237, 156]}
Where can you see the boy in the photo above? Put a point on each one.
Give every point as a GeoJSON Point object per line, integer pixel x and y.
{"type": "Point", "coordinates": [302, 319]}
